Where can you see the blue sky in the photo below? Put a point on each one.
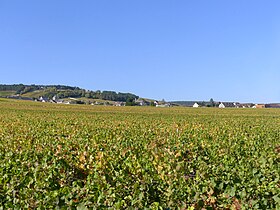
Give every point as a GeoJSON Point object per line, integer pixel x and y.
{"type": "Point", "coordinates": [161, 49]}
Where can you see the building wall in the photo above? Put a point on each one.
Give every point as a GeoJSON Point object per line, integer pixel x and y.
{"type": "Point", "coordinates": [260, 106]}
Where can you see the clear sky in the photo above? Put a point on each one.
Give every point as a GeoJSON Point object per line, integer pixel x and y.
{"type": "Point", "coordinates": [228, 50]}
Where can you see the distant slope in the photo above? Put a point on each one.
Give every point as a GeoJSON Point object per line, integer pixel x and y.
{"type": "Point", "coordinates": [62, 91]}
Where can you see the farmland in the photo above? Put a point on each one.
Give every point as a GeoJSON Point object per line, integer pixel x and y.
{"type": "Point", "coordinates": [77, 156]}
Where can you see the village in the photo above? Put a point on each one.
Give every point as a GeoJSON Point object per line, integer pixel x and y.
{"type": "Point", "coordinates": [224, 104]}
{"type": "Point", "coordinates": [241, 105]}
{"type": "Point", "coordinates": [149, 102]}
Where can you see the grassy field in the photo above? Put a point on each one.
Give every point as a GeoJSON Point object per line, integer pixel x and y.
{"type": "Point", "coordinates": [6, 93]}
{"type": "Point", "coordinates": [77, 156]}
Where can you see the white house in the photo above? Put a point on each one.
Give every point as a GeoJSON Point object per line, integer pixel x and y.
{"type": "Point", "coordinates": [195, 105]}
{"type": "Point", "coordinates": [54, 98]}
{"type": "Point", "coordinates": [222, 106]}
{"type": "Point", "coordinates": [43, 99]}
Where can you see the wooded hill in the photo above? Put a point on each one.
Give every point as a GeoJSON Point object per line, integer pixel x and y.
{"type": "Point", "coordinates": [62, 91]}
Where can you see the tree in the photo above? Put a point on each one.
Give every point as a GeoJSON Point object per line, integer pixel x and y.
{"type": "Point", "coordinates": [130, 102]}
{"type": "Point", "coordinates": [212, 103]}
{"type": "Point", "coordinates": [88, 95]}
{"type": "Point", "coordinates": [152, 103]}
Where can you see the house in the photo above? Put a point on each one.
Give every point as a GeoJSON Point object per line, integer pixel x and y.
{"type": "Point", "coordinates": [260, 106]}
{"type": "Point", "coordinates": [229, 104]}
{"type": "Point", "coordinates": [43, 99]}
{"type": "Point", "coordinates": [274, 105]}
{"type": "Point", "coordinates": [221, 106]}
{"type": "Point", "coordinates": [142, 102]}
{"type": "Point", "coordinates": [246, 105]}
{"type": "Point", "coordinates": [119, 104]}
{"type": "Point", "coordinates": [195, 105]}
{"type": "Point", "coordinates": [54, 98]}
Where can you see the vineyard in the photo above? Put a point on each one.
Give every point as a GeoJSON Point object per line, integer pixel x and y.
{"type": "Point", "coordinates": [97, 157]}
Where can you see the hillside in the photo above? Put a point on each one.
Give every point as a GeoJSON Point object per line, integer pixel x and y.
{"type": "Point", "coordinates": [61, 92]}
